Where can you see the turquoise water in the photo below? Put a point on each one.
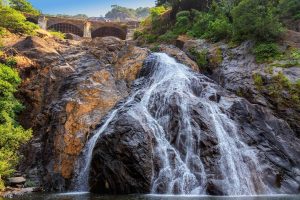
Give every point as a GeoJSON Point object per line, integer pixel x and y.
{"type": "Point", "coordinates": [88, 196]}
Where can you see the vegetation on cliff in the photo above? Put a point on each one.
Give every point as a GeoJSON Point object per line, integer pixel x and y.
{"type": "Point", "coordinates": [13, 19]}
{"type": "Point", "coordinates": [12, 134]}
{"type": "Point", "coordinates": [237, 20]}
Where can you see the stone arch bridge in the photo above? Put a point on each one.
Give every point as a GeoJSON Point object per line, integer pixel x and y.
{"type": "Point", "coordinates": [85, 28]}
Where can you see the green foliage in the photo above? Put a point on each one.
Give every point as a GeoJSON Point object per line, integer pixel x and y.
{"type": "Point", "coordinates": [142, 13]}
{"type": "Point", "coordinates": [122, 13]}
{"type": "Point", "coordinates": [280, 90]}
{"type": "Point", "coordinates": [258, 81]}
{"type": "Point", "coordinates": [179, 5]}
{"type": "Point", "coordinates": [30, 183]}
{"type": "Point", "coordinates": [219, 29]}
{"type": "Point", "coordinates": [264, 52]}
{"type": "Point", "coordinates": [289, 9]}
{"type": "Point", "coordinates": [8, 85]}
{"type": "Point", "coordinates": [57, 34]}
{"type": "Point", "coordinates": [256, 19]}
{"type": "Point", "coordinates": [157, 11]}
{"type": "Point", "coordinates": [235, 20]}
{"type": "Point", "coordinates": [15, 21]}
{"type": "Point", "coordinates": [294, 54]}
{"type": "Point", "coordinates": [200, 25]}
{"type": "Point", "coordinates": [183, 22]}
{"type": "Point", "coordinates": [23, 6]}
{"type": "Point", "coordinates": [137, 34]}
{"type": "Point", "coordinates": [12, 134]}
{"type": "Point", "coordinates": [290, 58]}
{"type": "Point", "coordinates": [150, 38]}
{"type": "Point", "coordinates": [285, 92]}
{"type": "Point", "coordinates": [11, 61]}
{"type": "Point", "coordinates": [169, 36]}
{"type": "Point", "coordinates": [200, 57]}
{"type": "Point", "coordinates": [155, 21]}
{"type": "Point", "coordinates": [155, 48]}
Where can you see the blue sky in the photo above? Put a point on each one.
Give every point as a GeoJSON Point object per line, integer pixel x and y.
{"type": "Point", "coordinates": [89, 7]}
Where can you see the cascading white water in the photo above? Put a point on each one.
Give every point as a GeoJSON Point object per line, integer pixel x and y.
{"type": "Point", "coordinates": [168, 100]}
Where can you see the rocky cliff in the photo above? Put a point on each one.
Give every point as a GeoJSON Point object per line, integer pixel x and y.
{"type": "Point", "coordinates": [70, 86]}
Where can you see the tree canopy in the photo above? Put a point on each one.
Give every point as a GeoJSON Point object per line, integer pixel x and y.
{"type": "Point", "coordinates": [123, 13]}
{"type": "Point", "coordinates": [23, 6]}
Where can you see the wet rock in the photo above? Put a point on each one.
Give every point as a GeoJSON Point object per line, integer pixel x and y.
{"type": "Point", "coordinates": [16, 180]}
{"type": "Point", "coordinates": [122, 160]}
{"type": "Point", "coordinates": [132, 153]}
{"type": "Point", "coordinates": [234, 67]}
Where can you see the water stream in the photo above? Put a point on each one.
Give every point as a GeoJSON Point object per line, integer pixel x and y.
{"type": "Point", "coordinates": [172, 101]}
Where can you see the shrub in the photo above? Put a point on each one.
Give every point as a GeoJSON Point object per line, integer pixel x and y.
{"type": "Point", "coordinates": [57, 34]}
{"type": "Point", "coordinates": [200, 57]}
{"type": "Point", "coordinates": [11, 61]}
{"type": "Point", "coordinates": [137, 34]}
{"type": "Point", "coordinates": [183, 22]}
{"type": "Point", "coordinates": [289, 9]}
{"type": "Point", "coordinates": [155, 48]}
{"type": "Point", "coordinates": [266, 51]}
{"type": "Point", "coordinates": [30, 183]}
{"type": "Point", "coordinates": [157, 11]}
{"type": "Point", "coordinates": [219, 29]}
{"type": "Point", "coordinates": [150, 38]}
{"type": "Point", "coordinates": [15, 21]}
{"type": "Point", "coordinates": [23, 6]}
{"type": "Point", "coordinates": [200, 25]}
{"type": "Point", "coordinates": [258, 81]}
{"type": "Point", "coordinates": [255, 19]}
{"type": "Point", "coordinates": [155, 20]}
{"type": "Point", "coordinates": [12, 134]}
{"type": "Point", "coordinates": [169, 36]}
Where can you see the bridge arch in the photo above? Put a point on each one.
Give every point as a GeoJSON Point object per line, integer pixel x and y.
{"type": "Point", "coordinates": [109, 31]}
{"type": "Point", "coordinates": [32, 20]}
{"type": "Point", "coordinates": [66, 28]}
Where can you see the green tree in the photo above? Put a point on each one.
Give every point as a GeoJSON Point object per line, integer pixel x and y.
{"type": "Point", "coordinates": [289, 9]}
{"type": "Point", "coordinates": [142, 13]}
{"type": "Point", "coordinates": [255, 19]}
{"type": "Point", "coordinates": [23, 6]}
{"type": "Point", "coordinates": [12, 135]}
{"type": "Point", "coordinates": [119, 12]}
{"type": "Point", "coordinates": [15, 21]}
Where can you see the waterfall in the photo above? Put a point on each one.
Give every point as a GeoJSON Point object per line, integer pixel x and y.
{"type": "Point", "coordinates": [176, 104]}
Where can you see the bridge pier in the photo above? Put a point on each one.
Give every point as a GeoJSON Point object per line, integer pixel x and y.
{"type": "Point", "coordinates": [87, 33]}
{"type": "Point", "coordinates": [42, 22]}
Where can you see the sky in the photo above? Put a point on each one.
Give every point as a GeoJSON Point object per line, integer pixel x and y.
{"type": "Point", "coordinates": [92, 8]}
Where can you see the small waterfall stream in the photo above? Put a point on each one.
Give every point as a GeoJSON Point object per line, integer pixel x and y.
{"type": "Point", "coordinates": [174, 101]}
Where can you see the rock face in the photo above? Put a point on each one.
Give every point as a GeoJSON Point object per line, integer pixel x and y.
{"type": "Point", "coordinates": [123, 159]}
{"type": "Point", "coordinates": [180, 133]}
{"type": "Point", "coordinates": [68, 87]}
{"type": "Point", "coordinates": [16, 180]}
{"type": "Point", "coordinates": [235, 69]}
